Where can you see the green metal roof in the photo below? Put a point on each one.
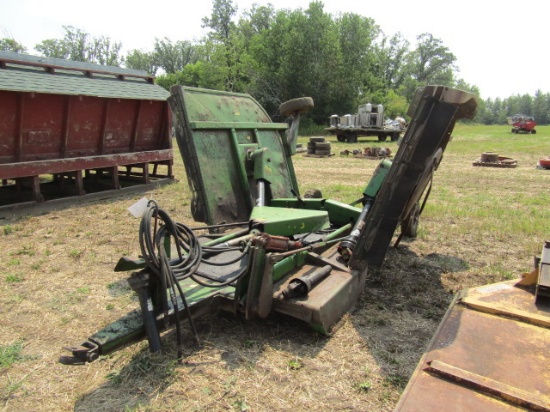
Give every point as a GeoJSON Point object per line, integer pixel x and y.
{"type": "Point", "coordinates": [23, 73]}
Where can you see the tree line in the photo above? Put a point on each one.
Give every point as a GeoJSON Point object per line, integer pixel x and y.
{"type": "Point", "coordinates": [341, 61]}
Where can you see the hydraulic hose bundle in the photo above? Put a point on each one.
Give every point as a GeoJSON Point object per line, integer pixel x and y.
{"type": "Point", "coordinates": [156, 233]}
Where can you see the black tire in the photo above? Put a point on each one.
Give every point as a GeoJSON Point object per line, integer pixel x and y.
{"type": "Point", "coordinates": [322, 146]}
{"type": "Point", "coordinates": [533, 131]}
{"type": "Point", "coordinates": [316, 139]}
{"type": "Point", "coordinates": [382, 137]}
{"type": "Point", "coordinates": [351, 138]}
{"type": "Point", "coordinates": [322, 152]}
{"type": "Point", "coordinates": [394, 137]}
{"type": "Point", "coordinates": [340, 138]}
{"type": "Point", "coordinates": [313, 194]}
{"type": "Point", "coordinates": [409, 227]}
{"type": "Point", "coordinates": [299, 105]}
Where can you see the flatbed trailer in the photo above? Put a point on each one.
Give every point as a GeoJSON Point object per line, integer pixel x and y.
{"type": "Point", "coordinates": [351, 134]}
{"type": "Point", "coordinates": [369, 121]}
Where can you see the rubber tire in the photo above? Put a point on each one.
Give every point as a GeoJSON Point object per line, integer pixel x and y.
{"type": "Point", "coordinates": [533, 131]}
{"type": "Point", "coordinates": [351, 138]}
{"type": "Point", "coordinates": [409, 227]}
{"type": "Point", "coordinates": [340, 138]}
{"type": "Point", "coordinates": [299, 105]}
{"type": "Point", "coordinates": [322, 146]}
{"type": "Point", "coordinates": [382, 137]}
{"type": "Point", "coordinates": [394, 137]}
{"type": "Point", "coordinates": [313, 194]}
{"type": "Point", "coordinates": [317, 139]}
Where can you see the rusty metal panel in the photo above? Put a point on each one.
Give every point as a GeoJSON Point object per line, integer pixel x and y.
{"type": "Point", "coordinates": [59, 116]}
{"type": "Point", "coordinates": [491, 353]}
{"type": "Point", "coordinates": [23, 169]}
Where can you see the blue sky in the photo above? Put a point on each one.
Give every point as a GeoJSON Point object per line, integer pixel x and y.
{"type": "Point", "coordinates": [500, 46]}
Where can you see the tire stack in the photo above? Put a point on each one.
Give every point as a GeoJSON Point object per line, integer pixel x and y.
{"type": "Point", "coordinates": [318, 146]}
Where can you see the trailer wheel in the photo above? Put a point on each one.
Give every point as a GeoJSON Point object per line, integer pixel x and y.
{"type": "Point", "coordinates": [299, 105]}
{"type": "Point", "coordinates": [394, 137]}
{"type": "Point", "coordinates": [341, 138]}
{"type": "Point", "coordinates": [351, 138]}
{"type": "Point", "coordinates": [382, 137]}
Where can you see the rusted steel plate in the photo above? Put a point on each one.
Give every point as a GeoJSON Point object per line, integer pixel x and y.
{"type": "Point", "coordinates": [329, 300]}
{"type": "Point", "coordinates": [491, 353]}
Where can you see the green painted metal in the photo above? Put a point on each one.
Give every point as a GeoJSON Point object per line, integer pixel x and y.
{"type": "Point", "coordinates": [285, 222]}
{"type": "Point", "coordinates": [338, 233]}
{"type": "Point", "coordinates": [120, 333]}
{"type": "Point", "coordinates": [130, 328]}
{"type": "Point", "coordinates": [283, 267]}
{"type": "Point", "coordinates": [339, 213]}
{"type": "Point", "coordinates": [378, 178]}
{"type": "Point", "coordinates": [216, 135]}
{"type": "Point", "coordinates": [237, 125]}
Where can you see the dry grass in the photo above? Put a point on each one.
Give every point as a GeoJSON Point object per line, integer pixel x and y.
{"type": "Point", "coordinates": [58, 287]}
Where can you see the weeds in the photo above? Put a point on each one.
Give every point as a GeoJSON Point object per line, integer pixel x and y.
{"type": "Point", "coordinates": [10, 354]}
{"type": "Point", "coordinates": [75, 254]}
{"type": "Point", "coordinates": [8, 230]}
{"type": "Point", "coordinates": [295, 364]}
{"type": "Point", "coordinates": [14, 278]}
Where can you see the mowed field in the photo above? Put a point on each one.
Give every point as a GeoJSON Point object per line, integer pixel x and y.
{"type": "Point", "coordinates": [57, 287]}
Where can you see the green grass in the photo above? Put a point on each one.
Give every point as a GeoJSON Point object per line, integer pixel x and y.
{"type": "Point", "coordinates": [14, 278]}
{"type": "Point", "coordinates": [497, 213]}
{"type": "Point", "coordinates": [8, 230]}
{"type": "Point", "coordinates": [10, 354]}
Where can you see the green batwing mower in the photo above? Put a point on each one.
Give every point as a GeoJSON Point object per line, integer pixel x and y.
{"type": "Point", "coordinates": [264, 247]}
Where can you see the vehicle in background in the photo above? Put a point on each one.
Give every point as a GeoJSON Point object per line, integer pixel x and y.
{"type": "Point", "coordinates": [522, 124]}
{"type": "Point", "coordinates": [369, 121]}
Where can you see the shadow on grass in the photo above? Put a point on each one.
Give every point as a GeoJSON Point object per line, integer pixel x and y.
{"type": "Point", "coordinates": [228, 347]}
{"type": "Point", "coordinates": [395, 318]}
{"type": "Point", "coordinates": [401, 308]}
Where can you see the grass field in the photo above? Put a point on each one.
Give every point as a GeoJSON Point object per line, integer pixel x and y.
{"type": "Point", "coordinates": [57, 287]}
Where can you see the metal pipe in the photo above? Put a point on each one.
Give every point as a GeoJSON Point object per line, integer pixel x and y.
{"type": "Point", "coordinates": [348, 244]}
{"type": "Point", "coordinates": [337, 232]}
{"type": "Point", "coordinates": [260, 200]}
{"type": "Point", "coordinates": [302, 286]}
{"type": "Point", "coordinates": [226, 238]}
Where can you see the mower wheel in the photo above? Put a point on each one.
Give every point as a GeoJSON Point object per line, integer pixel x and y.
{"type": "Point", "coordinates": [533, 131]}
{"type": "Point", "coordinates": [409, 226]}
{"type": "Point", "coordinates": [299, 105]}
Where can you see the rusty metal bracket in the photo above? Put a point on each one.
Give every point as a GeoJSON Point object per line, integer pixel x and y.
{"type": "Point", "coordinates": [86, 352]}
